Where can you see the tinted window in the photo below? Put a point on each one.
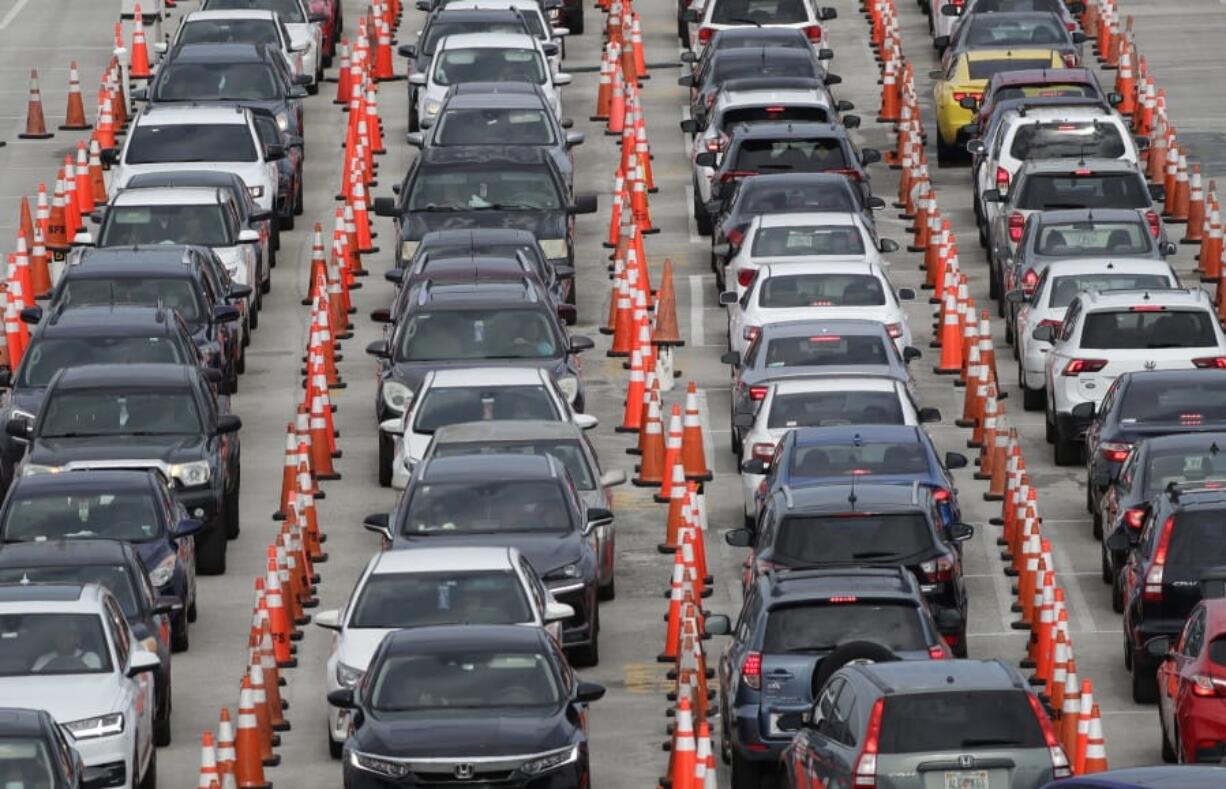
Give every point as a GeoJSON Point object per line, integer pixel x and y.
{"type": "Point", "coordinates": [823, 290]}
{"type": "Point", "coordinates": [441, 28]}
{"type": "Point", "coordinates": [99, 412]}
{"type": "Point", "coordinates": [955, 721]}
{"type": "Point", "coordinates": [1063, 289]}
{"type": "Point", "coordinates": [190, 142]}
{"type": "Point", "coordinates": [127, 515]}
{"type": "Point", "coordinates": [494, 127]}
{"type": "Point", "coordinates": [178, 294]}
{"type": "Point", "coordinates": [53, 644]}
{"type": "Point", "coordinates": [48, 356]}
{"type": "Point", "coordinates": [501, 188]}
{"type": "Point", "coordinates": [1045, 89]}
{"type": "Point", "coordinates": [452, 405]}
{"type": "Point", "coordinates": [853, 538]}
{"type": "Point", "coordinates": [488, 64]}
{"type": "Point", "coordinates": [785, 63]}
{"type": "Point", "coordinates": [1032, 31]}
{"type": "Point", "coordinates": [113, 577]}
{"type": "Point", "coordinates": [1115, 329]}
{"type": "Point", "coordinates": [740, 12]}
{"type": "Point", "coordinates": [473, 680]}
{"type": "Point", "coordinates": [984, 69]}
{"type": "Point", "coordinates": [1068, 140]}
{"type": "Point", "coordinates": [840, 460]}
{"type": "Point", "coordinates": [165, 224]}
{"type": "Point", "coordinates": [779, 112]}
{"type": "Point", "coordinates": [1197, 539]}
{"type": "Point", "coordinates": [24, 762]}
{"type": "Point", "coordinates": [1217, 651]}
{"type": "Point", "coordinates": [487, 507]}
{"type": "Point", "coordinates": [1102, 190]}
{"type": "Point", "coordinates": [230, 31]}
{"type": "Point", "coordinates": [290, 10]}
{"type": "Point", "coordinates": [788, 241]}
{"type": "Point", "coordinates": [1187, 403]}
{"type": "Point", "coordinates": [812, 628]}
{"type": "Point", "coordinates": [809, 155]}
{"type": "Point", "coordinates": [1082, 239]}
{"type": "Point", "coordinates": [393, 600]}
{"type": "Point", "coordinates": [569, 452]}
{"type": "Point", "coordinates": [1198, 466]}
{"type": "Point", "coordinates": [815, 409]}
{"type": "Point", "coordinates": [769, 198]}
{"type": "Point", "coordinates": [478, 334]}
{"type": "Point", "coordinates": [217, 81]}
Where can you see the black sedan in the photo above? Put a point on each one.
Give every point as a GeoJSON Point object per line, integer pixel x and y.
{"type": "Point", "coordinates": [492, 704]}
{"type": "Point", "coordinates": [37, 753]}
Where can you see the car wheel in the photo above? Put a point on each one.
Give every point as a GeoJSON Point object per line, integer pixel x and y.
{"type": "Point", "coordinates": [1009, 335]}
{"type": "Point", "coordinates": [272, 257]}
{"type": "Point", "coordinates": [253, 319]}
{"type": "Point", "coordinates": [179, 640]}
{"type": "Point", "coordinates": [1168, 753]}
{"type": "Point", "coordinates": [947, 155]}
{"type": "Point", "coordinates": [702, 217]}
{"type": "Point", "coordinates": [211, 550]}
{"type": "Point", "coordinates": [737, 445]}
{"type": "Point", "coordinates": [574, 20]}
{"type": "Point", "coordinates": [240, 366]}
{"type": "Point", "coordinates": [1049, 429]}
{"type": "Point", "coordinates": [608, 591]}
{"type": "Point", "coordinates": [161, 727]}
{"type": "Point", "coordinates": [1117, 594]}
{"type": "Point", "coordinates": [276, 235]}
{"type": "Point", "coordinates": [335, 749]}
{"type": "Point", "coordinates": [852, 651]}
{"type": "Point", "coordinates": [287, 221]}
{"type": "Point", "coordinates": [746, 774]}
{"type": "Point", "coordinates": [993, 281]}
{"type": "Point", "coordinates": [1065, 451]}
{"type": "Point", "coordinates": [1127, 653]}
{"type": "Point", "coordinates": [1105, 568]}
{"type": "Point", "coordinates": [1033, 399]}
{"type": "Point", "coordinates": [588, 655]}
{"type": "Point", "coordinates": [191, 608]}
{"type": "Point", "coordinates": [150, 779]}
{"type": "Point", "coordinates": [232, 515]}
{"type": "Point", "coordinates": [1097, 528]}
{"type": "Point", "coordinates": [387, 454]}
{"type": "Point", "coordinates": [1144, 681]}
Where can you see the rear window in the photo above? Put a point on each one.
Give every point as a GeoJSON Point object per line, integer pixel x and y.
{"type": "Point", "coordinates": [217, 82]}
{"type": "Point", "coordinates": [1087, 189]}
{"type": "Point", "coordinates": [984, 69]}
{"type": "Point", "coordinates": [812, 155]}
{"type": "Point", "coordinates": [786, 63]}
{"type": "Point", "coordinates": [775, 112]}
{"type": "Point", "coordinates": [816, 628]}
{"type": "Point", "coordinates": [954, 721]}
{"type": "Point", "coordinates": [807, 240]}
{"type": "Point", "coordinates": [758, 12]}
{"type": "Point", "coordinates": [1188, 403]}
{"type": "Point", "coordinates": [1068, 140]}
{"type": "Point", "coordinates": [289, 10]}
{"type": "Point", "coordinates": [440, 29]}
{"type": "Point", "coordinates": [1201, 467]}
{"type": "Point", "coordinates": [190, 142]}
{"type": "Point", "coordinates": [230, 31]}
{"type": "Point", "coordinates": [494, 127]}
{"type": "Point", "coordinates": [1053, 90]}
{"type": "Point", "coordinates": [1217, 651]}
{"type": "Point", "coordinates": [394, 600]}
{"type": "Point", "coordinates": [1063, 289]}
{"type": "Point", "coordinates": [1083, 239]}
{"type": "Point", "coordinates": [883, 538]}
{"type": "Point", "coordinates": [823, 290]}
{"type": "Point", "coordinates": [845, 460]}
{"type": "Point", "coordinates": [1198, 539]}
{"type": "Point", "coordinates": [795, 198]}
{"type": "Point", "coordinates": [815, 409]}
{"type": "Point", "coordinates": [825, 349]}
{"type": "Point", "coordinates": [987, 30]}
{"type": "Point", "coordinates": [1119, 329]}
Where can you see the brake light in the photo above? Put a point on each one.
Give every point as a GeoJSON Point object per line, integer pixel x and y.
{"type": "Point", "coordinates": [959, 95]}
{"type": "Point", "coordinates": [1016, 221]}
{"type": "Point", "coordinates": [746, 276]}
{"type": "Point", "coordinates": [1079, 366]}
{"type": "Point", "coordinates": [1059, 761]}
{"type": "Point", "coordinates": [1152, 592]}
{"type": "Point", "coordinates": [1083, 171]}
{"type": "Point", "coordinates": [763, 450]}
{"type": "Point", "coordinates": [751, 670]}
{"type": "Point", "coordinates": [1029, 280]}
{"type": "Point", "coordinates": [843, 598]}
{"type": "Point", "coordinates": [1002, 179]}
{"type": "Point", "coordinates": [750, 333]}
{"type": "Point", "coordinates": [894, 330]}
{"type": "Point", "coordinates": [1215, 362]}
{"type": "Point", "coordinates": [941, 494]}
{"type": "Point", "coordinates": [851, 174]}
{"type": "Point", "coordinates": [1115, 451]}
{"type": "Point", "coordinates": [814, 32]}
{"type": "Point", "coordinates": [735, 236]}
{"type": "Point", "coordinates": [826, 338]}
{"type": "Point", "coordinates": [716, 145]}
{"type": "Point", "coordinates": [938, 570]}
{"type": "Point", "coordinates": [776, 109]}
{"type": "Point", "coordinates": [866, 764]}
{"type": "Point", "coordinates": [1052, 322]}
{"type": "Point", "coordinates": [704, 34]}
{"type": "Point", "coordinates": [1072, 26]}
{"type": "Point", "coordinates": [732, 174]}
{"type": "Point", "coordinates": [937, 652]}
{"type": "Point", "coordinates": [757, 393]}
{"type": "Point", "coordinates": [1155, 224]}
{"type": "Point", "coordinates": [1135, 517]}
{"type": "Point", "coordinates": [1071, 59]}
{"type": "Point", "coordinates": [1203, 686]}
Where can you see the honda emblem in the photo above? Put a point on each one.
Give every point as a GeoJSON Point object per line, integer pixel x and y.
{"type": "Point", "coordinates": [966, 761]}
{"type": "Point", "coordinates": [463, 771]}
{"type": "Point", "coordinates": [1151, 365]}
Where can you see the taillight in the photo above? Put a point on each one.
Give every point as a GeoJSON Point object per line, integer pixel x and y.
{"type": "Point", "coordinates": [763, 450]}
{"type": "Point", "coordinates": [959, 95]}
{"type": "Point", "coordinates": [1135, 518]}
{"type": "Point", "coordinates": [1072, 26]}
{"type": "Point", "coordinates": [757, 393]}
{"type": "Point", "coordinates": [1052, 322]}
{"type": "Point", "coordinates": [814, 32]}
{"type": "Point", "coordinates": [937, 652]}
{"type": "Point", "coordinates": [1152, 591]}
{"type": "Point", "coordinates": [938, 570]}
{"type": "Point", "coordinates": [751, 670]}
{"type": "Point", "coordinates": [735, 236]}
{"type": "Point", "coordinates": [1059, 761]}
{"type": "Point", "coordinates": [1115, 451]}
{"type": "Point", "coordinates": [1204, 685]}
{"type": "Point", "coordinates": [1071, 59]}
{"type": "Point", "coordinates": [1214, 362]}
{"type": "Point", "coordinates": [1079, 366]}
{"type": "Point", "coordinates": [1155, 224]}
{"type": "Point", "coordinates": [714, 146]}
{"type": "Point", "coordinates": [894, 330]}
{"type": "Point", "coordinates": [866, 764]}
{"type": "Point", "coordinates": [1029, 280]}
{"type": "Point", "coordinates": [746, 276]}
{"type": "Point", "coordinates": [1002, 179]}
{"type": "Point", "coordinates": [941, 494]}
{"type": "Point", "coordinates": [704, 34]}
{"type": "Point", "coordinates": [1016, 222]}
{"type": "Point", "coordinates": [750, 333]}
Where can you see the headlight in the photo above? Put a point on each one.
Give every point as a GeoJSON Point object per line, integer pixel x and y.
{"type": "Point", "coordinates": [165, 570]}
{"type": "Point", "coordinates": [149, 644]}
{"type": "Point", "coordinates": [378, 765]}
{"type": "Point", "coordinates": [191, 474]}
{"type": "Point", "coordinates": [551, 761]}
{"type": "Point", "coordinates": [396, 396]}
{"type": "Point", "coordinates": [101, 726]}
{"type": "Point", "coordinates": [256, 191]}
{"type": "Point", "coordinates": [569, 385]}
{"type": "Point", "coordinates": [407, 249]}
{"type": "Point", "coordinates": [563, 573]}
{"type": "Point", "coordinates": [348, 676]}
{"type": "Point", "coordinates": [554, 247]}
{"type": "Point", "coordinates": [17, 413]}
{"type": "Point", "coordinates": [431, 107]}
{"type": "Point", "coordinates": [282, 121]}
{"type": "Point", "coordinates": [33, 470]}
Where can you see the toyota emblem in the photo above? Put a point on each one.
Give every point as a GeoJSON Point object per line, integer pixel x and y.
{"type": "Point", "coordinates": [463, 771]}
{"type": "Point", "coordinates": [966, 761]}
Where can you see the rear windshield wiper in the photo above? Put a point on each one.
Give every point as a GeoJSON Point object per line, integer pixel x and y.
{"type": "Point", "coordinates": [971, 742]}
{"type": "Point", "coordinates": [875, 555]}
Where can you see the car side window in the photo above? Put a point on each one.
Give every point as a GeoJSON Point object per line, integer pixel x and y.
{"type": "Point", "coordinates": [1124, 481]}
{"type": "Point", "coordinates": [119, 632]}
{"type": "Point", "coordinates": [1040, 288]}
{"type": "Point", "coordinates": [1109, 398]}
{"type": "Point", "coordinates": [142, 581]}
{"type": "Point", "coordinates": [1070, 320]}
{"type": "Point", "coordinates": [1193, 634]}
{"type": "Point", "coordinates": [751, 353]}
{"type": "Point", "coordinates": [826, 722]}
{"type": "Point", "coordinates": [844, 706]}
{"type": "Point", "coordinates": [534, 586]}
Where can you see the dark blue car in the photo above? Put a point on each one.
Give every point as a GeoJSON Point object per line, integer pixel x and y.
{"type": "Point", "coordinates": [1167, 777]}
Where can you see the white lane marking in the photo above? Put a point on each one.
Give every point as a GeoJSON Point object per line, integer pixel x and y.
{"type": "Point", "coordinates": [690, 224]}
{"type": "Point", "coordinates": [698, 334]}
{"type": "Point", "coordinates": [1000, 582]}
{"type": "Point", "coordinates": [1075, 600]}
{"type": "Point", "coordinates": [12, 14]}
{"type": "Point", "coordinates": [704, 414]}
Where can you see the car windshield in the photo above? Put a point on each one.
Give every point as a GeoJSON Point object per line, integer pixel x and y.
{"type": "Point", "coordinates": [860, 459]}
{"type": "Point", "coordinates": [825, 349]}
{"type": "Point", "coordinates": [846, 407]}
{"type": "Point", "coordinates": [1186, 403]}
{"type": "Point", "coordinates": [498, 189]}
{"type": "Point", "coordinates": [1064, 289]}
{"type": "Point", "coordinates": [204, 225]}
{"type": "Point", "coordinates": [24, 763]}
{"type": "Point", "coordinates": [451, 405]}
{"type": "Point", "coordinates": [1140, 328]}
{"type": "Point", "coordinates": [446, 335]}
{"type": "Point", "coordinates": [289, 10]}
{"type": "Point", "coordinates": [216, 82]}
{"type": "Point", "coordinates": [1045, 89]}
{"type": "Point", "coordinates": [441, 28]}
{"type": "Point", "coordinates": [49, 355]}
{"type": "Point", "coordinates": [1086, 239]}
{"type": "Point", "coordinates": [989, 30]}
{"type": "Point", "coordinates": [494, 127]}
{"type": "Point", "coordinates": [767, 199]}
{"type": "Point", "coordinates": [116, 578]}
{"type": "Point", "coordinates": [810, 627]}
{"type": "Point", "coordinates": [1064, 140]}
{"type": "Point", "coordinates": [569, 452]}
{"type": "Point", "coordinates": [47, 644]}
{"type": "Point", "coordinates": [1200, 467]}
{"type": "Point", "coordinates": [110, 412]}
{"type": "Point", "coordinates": [190, 142]}
{"type": "Point", "coordinates": [984, 69]}
{"type": "Point", "coordinates": [475, 680]}
{"type": "Point", "coordinates": [396, 600]}
{"type": "Point", "coordinates": [959, 720]}
{"type": "Point", "coordinates": [177, 293]}
{"type": "Point", "coordinates": [230, 31]}
{"type": "Point", "coordinates": [822, 290]}
{"type": "Point", "coordinates": [489, 64]}
{"type": "Point", "coordinates": [1082, 189]}
{"type": "Point", "coordinates": [487, 508]}
{"type": "Point", "coordinates": [760, 12]}
{"type": "Point", "coordinates": [130, 516]}
{"type": "Point", "coordinates": [799, 113]}
{"type": "Point", "coordinates": [810, 155]}
{"type": "Point", "coordinates": [794, 240]}
{"type": "Point", "coordinates": [847, 539]}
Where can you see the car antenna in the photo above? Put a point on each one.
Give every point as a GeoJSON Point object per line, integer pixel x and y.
{"type": "Point", "coordinates": [1213, 448]}
{"type": "Point", "coordinates": [851, 496]}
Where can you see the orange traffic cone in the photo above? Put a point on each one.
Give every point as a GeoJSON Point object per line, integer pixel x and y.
{"type": "Point", "coordinates": [226, 756]}
{"type": "Point", "coordinates": [683, 756]}
{"type": "Point", "coordinates": [289, 472]}
{"type": "Point", "coordinates": [1095, 757]}
{"type": "Point", "coordinates": [676, 510]}
{"type": "Point", "coordinates": [209, 774]}
{"type": "Point", "coordinates": [666, 331]}
{"type": "Point", "coordinates": [672, 634]}
{"type": "Point", "coordinates": [139, 64]}
{"type": "Point", "coordinates": [278, 618]}
{"type": "Point", "coordinates": [651, 445]}
{"type": "Point", "coordinates": [693, 451]}
{"type": "Point", "coordinates": [75, 114]}
{"type": "Point", "coordinates": [36, 123]}
{"type": "Point", "coordinates": [672, 456]}
{"type": "Point", "coordinates": [632, 418]}
{"type": "Point", "coordinates": [1196, 208]}
{"type": "Point", "coordinates": [249, 763]}
{"type": "Point", "coordinates": [951, 341]}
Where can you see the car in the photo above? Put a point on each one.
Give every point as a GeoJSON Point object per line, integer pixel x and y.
{"type": "Point", "coordinates": [1055, 184]}
{"type": "Point", "coordinates": [501, 113]}
{"type": "Point", "coordinates": [1069, 235]}
{"type": "Point", "coordinates": [250, 26]}
{"type": "Point", "coordinates": [1005, 111]}
{"type": "Point", "coordinates": [799, 349]}
{"type": "Point", "coordinates": [959, 86]}
{"type": "Point", "coordinates": [290, 198]}
{"type": "Point", "coordinates": [893, 454]}
{"type": "Point", "coordinates": [991, 728]}
{"type": "Point", "coordinates": [173, 137]}
{"type": "Point", "coordinates": [305, 26]}
{"type": "Point", "coordinates": [789, 624]}
{"type": "Point", "coordinates": [944, 15]}
{"type": "Point", "coordinates": [487, 57]}
{"type": "Point", "coordinates": [1054, 291]}
{"type": "Point", "coordinates": [535, 19]}
{"type": "Point", "coordinates": [748, 62]}
{"type": "Point", "coordinates": [483, 676]}
{"type": "Point", "coordinates": [767, 36]}
{"type": "Point", "coordinates": [1189, 703]}
{"type": "Point", "coordinates": [180, 278]}
{"type": "Point", "coordinates": [135, 506]}
{"type": "Point", "coordinates": [428, 587]}
{"type": "Point", "coordinates": [1185, 776]}
{"type": "Point", "coordinates": [565, 441]}
{"type": "Point", "coordinates": [715, 15]}
{"type": "Point", "coordinates": [504, 186]}
{"type": "Point", "coordinates": [1189, 459]}
{"type": "Point", "coordinates": [1008, 30]}
{"type": "Point", "coordinates": [1162, 577]}
{"type": "Point", "coordinates": [161, 416]}
{"type": "Point", "coordinates": [529, 503]}
{"type": "Point", "coordinates": [117, 566]}
{"type": "Point", "coordinates": [795, 290]}
{"type": "Point", "coordinates": [468, 394]}
{"type": "Point", "coordinates": [37, 752]}
{"type": "Point", "coordinates": [69, 651]}
{"type": "Point", "coordinates": [1066, 84]}
{"type": "Point", "coordinates": [1107, 333]}
{"type": "Point", "coordinates": [1146, 403]}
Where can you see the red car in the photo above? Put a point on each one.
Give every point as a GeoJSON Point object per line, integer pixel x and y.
{"type": "Point", "coordinates": [332, 25]}
{"type": "Point", "coordinates": [1192, 686]}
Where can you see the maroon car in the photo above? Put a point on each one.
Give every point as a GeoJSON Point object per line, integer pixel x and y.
{"type": "Point", "coordinates": [1036, 83]}
{"type": "Point", "coordinates": [332, 26]}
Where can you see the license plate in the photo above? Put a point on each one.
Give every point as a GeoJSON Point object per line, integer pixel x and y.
{"type": "Point", "coordinates": [966, 779]}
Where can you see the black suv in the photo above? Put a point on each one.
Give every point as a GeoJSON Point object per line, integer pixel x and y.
{"type": "Point", "coordinates": [501, 241]}
{"type": "Point", "coordinates": [162, 416]}
{"type": "Point", "coordinates": [525, 501]}
{"type": "Point", "coordinates": [486, 186]}
{"type": "Point", "coordinates": [868, 524]}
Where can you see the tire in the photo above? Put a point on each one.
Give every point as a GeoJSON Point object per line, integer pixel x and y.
{"type": "Point", "coordinates": [1049, 429]}
{"type": "Point", "coordinates": [1117, 594]}
{"type": "Point", "coordinates": [266, 285]}
{"type": "Point", "coordinates": [299, 202]}
{"type": "Point", "coordinates": [1065, 451]}
{"type": "Point", "coordinates": [253, 316]}
{"type": "Point", "coordinates": [211, 551]}
{"type": "Point", "coordinates": [1105, 568]}
{"type": "Point", "coordinates": [1127, 655]}
{"type": "Point", "coordinates": [1009, 338]}
{"type": "Point", "coordinates": [286, 222]}
{"type": "Point", "coordinates": [746, 774]}
{"type": "Point", "coordinates": [947, 155]}
{"type": "Point", "coordinates": [1144, 681]}
{"type": "Point", "coordinates": [865, 651]}
{"type": "Point", "coordinates": [230, 513]}
{"type": "Point", "coordinates": [1168, 753]}
{"type": "Point", "coordinates": [387, 454]}
{"type": "Point", "coordinates": [335, 749]}
{"type": "Point", "coordinates": [150, 779]}
{"type": "Point", "coordinates": [1033, 399]}
{"type": "Point", "coordinates": [179, 638]}
{"type": "Point", "coordinates": [574, 20]}
{"type": "Point", "coordinates": [588, 655]}
{"type": "Point", "coordinates": [276, 235]}
{"type": "Point", "coordinates": [240, 366]}
{"type": "Point", "coordinates": [1097, 527]}
{"type": "Point", "coordinates": [703, 221]}
{"type": "Point", "coordinates": [607, 592]}
{"type": "Point", "coordinates": [229, 381]}
{"type": "Point", "coordinates": [191, 608]}
{"type": "Point", "coordinates": [161, 730]}
{"type": "Point", "coordinates": [994, 284]}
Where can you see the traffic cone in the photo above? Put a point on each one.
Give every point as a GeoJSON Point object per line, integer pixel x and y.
{"type": "Point", "coordinates": [672, 456]}
{"type": "Point", "coordinates": [693, 452]}
{"type": "Point", "coordinates": [672, 634]}
{"type": "Point", "coordinates": [623, 327]}
{"type": "Point", "coordinates": [383, 71]}
{"type": "Point", "coordinates": [249, 763]}
{"type": "Point", "coordinates": [1082, 740]}
{"type": "Point", "coordinates": [138, 67]}
{"type": "Point", "coordinates": [75, 114]}
{"type": "Point", "coordinates": [1070, 710]}
{"type": "Point", "coordinates": [84, 189]}
{"type": "Point", "coordinates": [632, 418]}
{"type": "Point", "coordinates": [1059, 675]}
{"type": "Point", "coordinates": [951, 340]}
{"type": "Point", "coordinates": [1196, 208]}
{"type": "Point", "coordinates": [209, 774]}
{"type": "Point", "coordinates": [666, 330]}
{"type": "Point", "coordinates": [1210, 265]}
{"type": "Point", "coordinates": [604, 91]}
{"type": "Point", "coordinates": [676, 510]}
{"type": "Point", "coordinates": [106, 125]}
{"type": "Point", "coordinates": [226, 757]}
{"type": "Point", "coordinates": [36, 123]}
{"type": "Point", "coordinates": [279, 620]}
{"type": "Point", "coordinates": [1095, 757]}
{"type": "Point", "coordinates": [703, 755]}
{"type": "Point", "coordinates": [617, 101]}
{"type": "Point", "coordinates": [289, 472]}
{"type": "Point", "coordinates": [651, 446]}
{"type": "Point", "coordinates": [683, 756]}
{"type": "Point", "coordinates": [262, 716]}
{"type": "Point", "coordinates": [321, 438]}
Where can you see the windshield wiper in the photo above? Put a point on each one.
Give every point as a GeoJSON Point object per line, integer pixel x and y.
{"type": "Point", "coordinates": [874, 554]}
{"type": "Point", "coordinates": [72, 435]}
{"type": "Point", "coordinates": [436, 207]}
{"type": "Point", "coordinates": [971, 742]}
{"type": "Point", "coordinates": [506, 207]}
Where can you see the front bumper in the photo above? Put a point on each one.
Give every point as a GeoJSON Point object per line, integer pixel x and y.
{"type": "Point", "coordinates": [113, 754]}
{"type": "Point", "coordinates": [577, 631]}
{"type": "Point", "coordinates": [569, 777]}
{"type": "Point", "coordinates": [201, 503]}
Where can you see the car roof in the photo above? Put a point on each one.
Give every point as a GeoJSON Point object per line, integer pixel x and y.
{"type": "Point", "coordinates": [478, 269]}
{"type": "Point", "coordinates": [1141, 298]}
{"type": "Point", "coordinates": [869, 497]}
{"type": "Point", "coordinates": [816, 436]}
{"type": "Point", "coordinates": [791, 218]}
{"type": "Point", "coordinates": [165, 195]}
{"type": "Point", "coordinates": [16, 721]}
{"type": "Point", "coordinates": [1184, 776]}
{"type": "Point", "coordinates": [84, 480]}
{"type": "Point", "coordinates": [767, 50]}
{"type": "Point", "coordinates": [920, 676]}
{"type": "Point", "coordinates": [760, 129]}
{"type": "Point", "coordinates": [746, 91]}
{"type": "Point", "coordinates": [486, 376]}
{"type": "Point", "coordinates": [804, 328]}
{"type": "Point", "coordinates": [527, 5]}
{"type": "Point", "coordinates": [218, 52]}
{"type": "Point", "coordinates": [445, 13]}
{"type": "Point", "coordinates": [143, 258]}
{"type": "Point", "coordinates": [840, 383]}
{"type": "Point", "coordinates": [506, 430]}
{"type": "Point", "coordinates": [788, 585]}
{"type": "Point", "coordinates": [508, 294]}
{"type": "Point", "coordinates": [187, 113]}
{"type": "Point", "coordinates": [73, 596]}
{"type": "Point", "coordinates": [785, 179]}
{"type": "Point", "coordinates": [449, 559]}
{"type": "Point", "coordinates": [229, 13]}
{"type": "Point", "coordinates": [484, 468]}
{"type": "Point", "coordinates": [487, 40]}
{"type": "Point", "coordinates": [1100, 265]}
{"type": "Point", "coordinates": [112, 320]}
{"type": "Point", "coordinates": [88, 376]}
{"type": "Point", "coordinates": [468, 637]}
{"type": "Point", "coordinates": [61, 553]}
{"type": "Point", "coordinates": [1079, 110]}
{"type": "Point", "coordinates": [500, 155]}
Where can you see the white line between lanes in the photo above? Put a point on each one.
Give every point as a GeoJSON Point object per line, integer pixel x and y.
{"type": "Point", "coordinates": [12, 13]}
{"type": "Point", "coordinates": [698, 334]}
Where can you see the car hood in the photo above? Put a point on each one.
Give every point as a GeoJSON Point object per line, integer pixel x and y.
{"type": "Point", "coordinates": [544, 552]}
{"type": "Point", "coordinates": [440, 733]}
{"type": "Point", "coordinates": [116, 449]}
{"type": "Point", "coordinates": [68, 697]}
{"type": "Point", "coordinates": [357, 645]}
{"type": "Point", "coordinates": [543, 224]}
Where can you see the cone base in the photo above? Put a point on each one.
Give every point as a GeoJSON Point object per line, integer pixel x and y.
{"type": "Point", "coordinates": [1181, 241]}
{"type": "Point", "coordinates": [996, 521]}
{"type": "Point", "coordinates": [45, 136]}
{"type": "Point", "coordinates": [646, 483]}
{"type": "Point", "coordinates": [272, 761]}
{"type": "Point", "coordinates": [965, 423]}
{"type": "Point", "coordinates": [333, 475]}
{"type": "Point", "coordinates": [947, 371]}
{"type": "Point", "coordinates": [319, 558]}
{"type": "Point", "coordinates": [74, 127]}
{"type": "Point", "coordinates": [392, 78]}
{"type": "Point", "coordinates": [282, 726]}
{"type": "Point", "coordinates": [278, 516]}
{"type": "Point", "coordinates": [705, 476]}
{"type": "Point", "coordinates": [993, 497]}
{"type": "Point", "coordinates": [625, 429]}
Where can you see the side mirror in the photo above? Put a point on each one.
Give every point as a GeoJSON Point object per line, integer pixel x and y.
{"type": "Point", "coordinates": [688, 57]}
{"type": "Point", "coordinates": [1158, 647]}
{"type": "Point", "coordinates": [274, 152]}
{"type": "Point", "coordinates": [587, 692]}
{"type": "Point", "coordinates": [225, 313]}
{"type": "Point", "coordinates": [109, 156]}
{"type": "Point", "coordinates": [717, 625]}
{"type": "Point", "coordinates": [689, 126]}
{"type": "Point", "coordinates": [211, 374]}
{"type": "Point", "coordinates": [875, 203]}
{"type": "Point", "coordinates": [328, 620]}
{"type": "Point", "coordinates": [753, 466]}
{"type": "Point", "coordinates": [259, 215]}
{"type": "Point", "coordinates": [843, 105]}
{"type": "Point", "coordinates": [415, 139]}
{"type": "Point", "coordinates": [6, 378]}
{"type": "Point", "coordinates": [1079, 37]}
{"type": "Point", "coordinates": [551, 50]}
{"type": "Point", "coordinates": [1169, 248]}
{"type": "Point", "coordinates": [976, 146]}
{"type": "Point", "coordinates": [968, 103]}
{"type": "Point", "coordinates": [948, 619]}
{"type": "Point", "coordinates": [560, 80]}
{"type": "Point", "coordinates": [417, 78]}
{"type": "Point", "coordinates": [139, 94]}
{"type": "Point", "coordinates": [960, 532]}
{"type": "Point", "coordinates": [949, 9]}
{"type": "Point", "coordinates": [574, 138]}
{"type": "Point", "coordinates": [298, 92]}
{"type": "Point", "coordinates": [239, 291]}
{"type": "Point", "coordinates": [833, 79]}
{"type": "Point", "coordinates": [825, 54]}
{"type": "Point", "coordinates": [1076, 8]}
{"type": "Point", "coordinates": [83, 239]}
{"type": "Point", "coordinates": [827, 13]}
{"type": "Point", "coordinates": [790, 721]}
{"type": "Point", "coordinates": [407, 50]}
{"type": "Point", "coordinates": [380, 349]}
{"type": "Point", "coordinates": [248, 236]}
{"type": "Point", "coordinates": [569, 313]}
{"type": "Point", "coordinates": [32, 315]}
{"type": "Point", "coordinates": [560, 32]}
{"type": "Point", "coordinates": [95, 778]}
{"type": "Point", "coordinates": [851, 121]}
{"type": "Point", "coordinates": [393, 426]}
{"type": "Point", "coordinates": [187, 527]}
{"type": "Point", "coordinates": [599, 516]}
{"type": "Point", "coordinates": [564, 271]}
{"type": "Point", "coordinates": [936, 73]}
{"type": "Point", "coordinates": [343, 698]}
{"type": "Point", "coordinates": [1118, 541]}
{"type": "Point", "coordinates": [728, 298]}
{"type": "Point", "coordinates": [738, 538]}
{"type": "Point", "coordinates": [705, 159]}
{"type": "Point", "coordinates": [580, 343]}
{"type": "Point", "coordinates": [1141, 141]}
{"type": "Point", "coordinates": [18, 427]}
{"type": "Point", "coordinates": [582, 204]}
{"type": "Point", "coordinates": [303, 80]}
{"type": "Point", "coordinates": [928, 414]}
{"type": "Point", "coordinates": [888, 245]}
{"type": "Point", "coordinates": [723, 250]}
{"type": "Point", "coordinates": [1114, 98]}
{"type": "Point", "coordinates": [167, 604]}
{"type": "Point", "coordinates": [379, 523]}
{"type": "Point", "coordinates": [585, 421]}
{"type": "Point", "coordinates": [993, 196]}
{"type": "Point", "coordinates": [691, 15]}
{"type": "Point", "coordinates": [385, 206]}
{"type": "Point", "coordinates": [906, 294]}
{"type": "Point", "coordinates": [744, 421]}
{"type": "Point", "coordinates": [870, 156]}
{"type": "Point", "coordinates": [1157, 192]}
{"type": "Point", "coordinates": [612, 478]}
{"type": "Point", "coordinates": [160, 47]}
{"type": "Point", "coordinates": [229, 423]}
{"type": "Point", "coordinates": [394, 275]}
{"type": "Point", "coordinates": [940, 42]}
{"type": "Point", "coordinates": [955, 460]}
{"type": "Point", "coordinates": [142, 662]}
{"type": "Point", "coordinates": [1018, 296]}
{"type": "Point", "coordinates": [731, 357]}
{"type": "Point", "coordinates": [911, 353]}
{"type": "Point", "coordinates": [686, 80]}
{"type": "Point", "coordinates": [1083, 410]}
{"type": "Point", "coordinates": [1043, 333]}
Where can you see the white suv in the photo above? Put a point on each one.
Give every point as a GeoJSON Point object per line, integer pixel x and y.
{"type": "Point", "coordinates": [305, 29]}
{"type": "Point", "coordinates": [1106, 333]}
{"type": "Point", "coordinates": [707, 16]}
{"type": "Point", "coordinates": [257, 26]}
{"type": "Point", "coordinates": [194, 137]}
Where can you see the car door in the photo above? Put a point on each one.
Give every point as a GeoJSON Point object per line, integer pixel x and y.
{"type": "Point", "coordinates": [1095, 428]}
{"type": "Point", "coordinates": [136, 693]}
{"type": "Point", "coordinates": [1175, 674]}
{"type": "Point", "coordinates": [828, 763]}
{"type": "Point", "coordinates": [185, 547]}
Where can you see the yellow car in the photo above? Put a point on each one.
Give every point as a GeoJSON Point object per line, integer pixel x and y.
{"type": "Point", "coordinates": [959, 88]}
